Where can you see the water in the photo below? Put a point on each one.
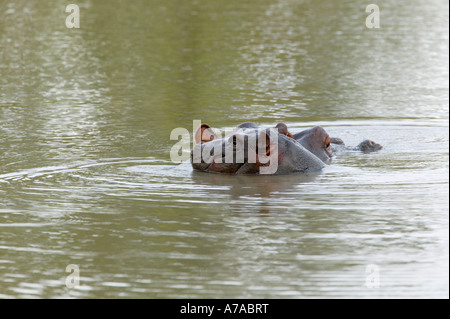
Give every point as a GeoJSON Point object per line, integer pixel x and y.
{"type": "Point", "coordinates": [85, 171]}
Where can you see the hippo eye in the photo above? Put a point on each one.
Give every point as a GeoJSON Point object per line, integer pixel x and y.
{"type": "Point", "coordinates": [233, 140]}
{"type": "Point", "coordinates": [372, 143]}
{"type": "Point", "coordinates": [236, 140]}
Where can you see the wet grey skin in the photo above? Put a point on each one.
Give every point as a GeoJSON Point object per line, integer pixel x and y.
{"type": "Point", "coordinates": [366, 146]}
{"type": "Point", "coordinates": [318, 142]}
{"type": "Point", "coordinates": [291, 156]}
{"type": "Point", "coordinates": [246, 125]}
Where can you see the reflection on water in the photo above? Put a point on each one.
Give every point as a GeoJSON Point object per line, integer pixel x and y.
{"type": "Point", "coordinates": [85, 176]}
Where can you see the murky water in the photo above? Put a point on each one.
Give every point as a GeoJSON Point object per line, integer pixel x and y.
{"type": "Point", "coordinates": [85, 171]}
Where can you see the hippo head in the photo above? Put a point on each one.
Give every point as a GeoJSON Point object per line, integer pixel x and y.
{"type": "Point", "coordinates": [369, 146]}
{"type": "Point", "coordinates": [250, 150]}
{"type": "Point", "coordinates": [316, 140]}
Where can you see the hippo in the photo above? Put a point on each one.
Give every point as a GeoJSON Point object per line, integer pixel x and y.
{"type": "Point", "coordinates": [366, 146]}
{"type": "Point", "coordinates": [318, 142]}
{"type": "Point", "coordinates": [251, 150]}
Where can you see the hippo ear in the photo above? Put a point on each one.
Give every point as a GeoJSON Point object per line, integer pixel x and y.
{"type": "Point", "coordinates": [283, 129]}
{"type": "Point", "coordinates": [204, 134]}
{"type": "Point", "coordinates": [327, 140]}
